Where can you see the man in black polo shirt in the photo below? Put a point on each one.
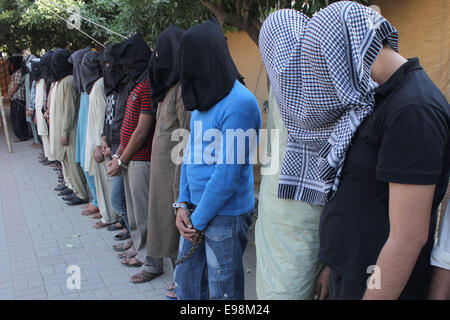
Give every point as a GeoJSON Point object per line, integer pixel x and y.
{"type": "Point", "coordinates": [380, 221]}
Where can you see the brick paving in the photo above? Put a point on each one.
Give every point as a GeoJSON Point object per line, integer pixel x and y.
{"type": "Point", "coordinates": [40, 236]}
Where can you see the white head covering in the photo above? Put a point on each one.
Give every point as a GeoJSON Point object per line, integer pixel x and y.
{"type": "Point", "coordinates": [324, 90]}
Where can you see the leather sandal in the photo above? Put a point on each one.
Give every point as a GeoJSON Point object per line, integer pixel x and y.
{"type": "Point", "coordinates": [122, 236]}
{"type": "Point", "coordinates": [121, 247]}
{"type": "Point", "coordinates": [98, 215]}
{"type": "Point", "coordinates": [144, 276]}
{"type": "Point", "coordinates": [127, 262]}
{"type": "Point", "coordinates": [100, 225]}
{"type": "Point", "coordinates": [90, 212]}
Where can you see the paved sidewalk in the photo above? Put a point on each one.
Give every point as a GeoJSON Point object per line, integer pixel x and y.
{"type": "Point", "coordinates": [40, 236]}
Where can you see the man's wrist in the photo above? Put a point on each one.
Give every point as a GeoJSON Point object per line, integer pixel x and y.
{"type": "Point", "coordinates": [122, 164]}
{"type": "Point", "coordinates": [181, 205]}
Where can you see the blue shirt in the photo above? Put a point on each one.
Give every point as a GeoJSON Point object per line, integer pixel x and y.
{"type": "Point", "coordinates": [217, 169]}
{"type": "Point", "coordinates": [82, 129]}
{"type": "Point", "coordinates": [33, 96]}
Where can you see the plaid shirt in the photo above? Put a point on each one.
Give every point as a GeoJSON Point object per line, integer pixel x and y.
{"type": "Point", "coordinates": [17, 78]}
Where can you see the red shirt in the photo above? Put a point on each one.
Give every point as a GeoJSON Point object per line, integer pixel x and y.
{"type": "Point", "coordinates": [138, 102]}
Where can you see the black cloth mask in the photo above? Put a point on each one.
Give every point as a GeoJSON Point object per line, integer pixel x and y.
{"type": "Point", "coordinates": [60, 64]}
{"type": "Point", "coordinates": [36, 74]}
{"type": "Point", "coordinates": [207, 71]}
{"type": "Point", "coordinates": [134, 57]}
{"type": "Point", "coordinates": [163, 68]}
{"type": "Point", "coordinates": [91, 70]}
{"type": "Point", "coordinates": [46, 69]}
{"type": "Point", "coordinates": [15, 64]}
{"type": "Point", "coordinates": [113, 74]}
{"type": "Point", "coordinates": [75, 60]}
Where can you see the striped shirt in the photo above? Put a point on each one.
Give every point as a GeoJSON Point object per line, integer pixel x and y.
{"type": "Point", "coordinates": [138, 102]}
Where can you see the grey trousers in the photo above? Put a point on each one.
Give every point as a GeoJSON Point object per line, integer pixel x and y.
{"type": "Point", "coordinates": [103, 185]}
{"type": "Point", "coordinates": [136, 181]}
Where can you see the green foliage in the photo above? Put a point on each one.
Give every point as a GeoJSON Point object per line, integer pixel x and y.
{"type": "Point", "coordinates": [32, 24]}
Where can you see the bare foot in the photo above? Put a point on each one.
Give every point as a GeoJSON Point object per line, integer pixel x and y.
{"type": "Point", "coordinates": [172, 295]}
{"type": "Point", "coordinates": [131, 262]}
{"type": "Point", "coordinates": [144, 276]}
{"type": "Point", "coordinates": [171, 286]}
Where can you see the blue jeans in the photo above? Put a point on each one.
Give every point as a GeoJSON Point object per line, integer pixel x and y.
{"type": "Point", "coordinates": [91, 185]}
{"type": "Point", "coordinates": [118, 201]}
{"type": "Point", "coordinates": [215, 271]}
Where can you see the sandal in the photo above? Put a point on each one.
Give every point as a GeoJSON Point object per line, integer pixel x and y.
{"type": "Point", "coordinates": [171, 287]}
{"type": "Point", "coordinates": [115, 227]}
{"type": "Point", "coordinates": [100, 225]}
{"type": "Point", "coordinates": [90, 212]}
{"type": "Point", "coordinates": [172, 295]}
{"type": "Point", "coordinates": [98, 215]}
{"type": "Point", "coordinates": [144, 276]}
{"type": "Point", "coordinates": [122, 236]}
{"type": "Point", "coordinates": [125, 255]}
{"type": "Point", "coordinates": [121, 247]}
{"type": "Point", "coordinates": [127, 262]}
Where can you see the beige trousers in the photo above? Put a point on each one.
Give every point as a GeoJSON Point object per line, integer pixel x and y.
{"type": "Point", "coordinates": [46, 144]}
{"type": "Point", "coordinates": [136, 181]}
{"type": "Point", "coordinates": [74, 177]}
{"type": "Point", "coordinates": [66, 176]}
{"type": "Point", "coordinates": [103, 184]}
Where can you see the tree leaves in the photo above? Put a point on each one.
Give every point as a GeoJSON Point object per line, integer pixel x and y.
{"type": "Point", "coordinates": [31, 24]}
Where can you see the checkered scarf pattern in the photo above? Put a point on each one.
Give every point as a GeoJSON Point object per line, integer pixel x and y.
{"type": "Point", "coordinates": [320, 70]}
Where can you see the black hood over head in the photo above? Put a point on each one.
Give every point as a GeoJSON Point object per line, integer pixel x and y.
{"type": "Point", "coordinates": [60, 64]}
{"type": "Point", "coordinates": [46, 69]}
{"type": "Point", "coordinates": [15, 63]}
{"type": "Point", "coordinates": [207, 71]}
{"type": "Point", "coordinates": [113, 73]}
{"type": "Point", "coordinates": [163, 68]}
{"type": "Point", "coordinates": [36, 74]}
{"type": "Point", "coordinates": [134, 57]}
{"type": "Point", "coordinates": [75, 60]}
{"type": "Point", "coordinates": [91, 70]}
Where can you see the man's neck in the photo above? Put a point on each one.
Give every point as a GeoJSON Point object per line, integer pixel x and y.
{"type": "Point", "coordinates": [386, 64]}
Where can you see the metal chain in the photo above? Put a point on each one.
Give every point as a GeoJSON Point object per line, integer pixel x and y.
{"type": "Point", "coordinates": [189, 254]}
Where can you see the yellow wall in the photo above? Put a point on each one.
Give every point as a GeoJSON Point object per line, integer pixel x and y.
{"type": "Point", "coordinates": [247, 58]}
{"type": "Point", "coordinates": [423, 27]}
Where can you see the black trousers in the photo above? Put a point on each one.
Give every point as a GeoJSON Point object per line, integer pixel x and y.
{"type": "Point", "coordinates": [341, 289]}
{"type": "Point", "coordinates": [18, 119]}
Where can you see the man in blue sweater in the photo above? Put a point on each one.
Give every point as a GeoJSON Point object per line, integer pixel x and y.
{"type": "Point", "coordinates": [216, 182]}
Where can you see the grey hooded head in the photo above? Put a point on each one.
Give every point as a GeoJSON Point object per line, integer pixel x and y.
{"type": "Point", "coordinates": [76, 59]}
{"type": "Point", "coordinates": [91, 70]}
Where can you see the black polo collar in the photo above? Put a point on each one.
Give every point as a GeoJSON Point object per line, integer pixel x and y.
{"type": "Point", "coordinates": [398, 76]}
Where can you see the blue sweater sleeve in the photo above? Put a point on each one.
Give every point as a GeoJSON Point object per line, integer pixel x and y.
{"type": "Point", "coordinates": [184, 195]}
{"type": "Point", "coordinates": [226, 177]}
